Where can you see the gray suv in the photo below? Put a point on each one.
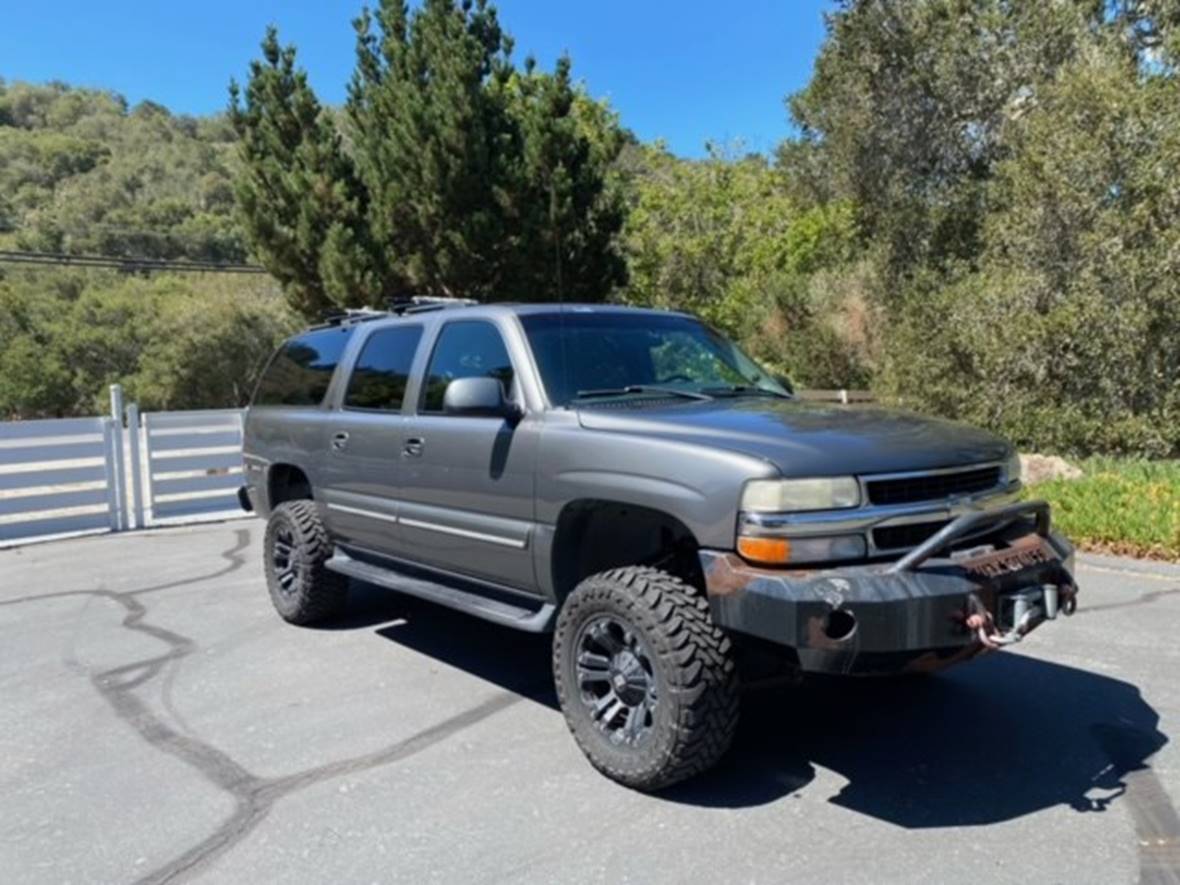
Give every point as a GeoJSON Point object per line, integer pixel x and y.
{"type": "Point", "coordinates": [632, 482]}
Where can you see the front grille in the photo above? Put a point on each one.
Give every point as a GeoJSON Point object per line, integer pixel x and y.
{"type": "Point", "coordinates": [932, 486]}
{"type": "Point", "coordinates": [899, 537]}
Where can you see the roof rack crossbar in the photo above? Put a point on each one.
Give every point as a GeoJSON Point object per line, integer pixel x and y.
{"type": "Point", "coordinates": [337, 316]}
{"type": "Point", "coordinates": [423, 303]}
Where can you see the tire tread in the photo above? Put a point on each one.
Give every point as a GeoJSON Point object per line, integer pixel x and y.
{"type": "Point", "coordinates": [324, 592]}
{"type": "Point", "coordinates": [699, 665]}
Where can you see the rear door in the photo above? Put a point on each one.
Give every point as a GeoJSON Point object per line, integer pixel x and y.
{"type": "Point", "coordinates": [467, 482]}
{"type": "Point", "coordinates": [288, 421]}
{"type": "Point", "coordinates": [362, 463]}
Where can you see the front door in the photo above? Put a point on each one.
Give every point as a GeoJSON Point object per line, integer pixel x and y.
{"type": "Point", "coordinates": [363, 461]}
{"type": "Point", "coordinates": [467, 482]}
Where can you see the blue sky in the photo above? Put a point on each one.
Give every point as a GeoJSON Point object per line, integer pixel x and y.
{"type": "Point", "coordinates": [686, 72]}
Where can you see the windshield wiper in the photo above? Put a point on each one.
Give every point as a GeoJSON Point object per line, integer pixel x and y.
{"type": "Point", "coordinates": [747, 390]}
{"type": "Point", "coordinates": [641, 388]}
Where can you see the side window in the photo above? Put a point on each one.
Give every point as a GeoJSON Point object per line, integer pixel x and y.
{"type": "Point", "coordinates": [383, 369]}
{"type": "Point", "coordinates": [299, 374]}
{"type": "Point", "coordinates": [465, 349]}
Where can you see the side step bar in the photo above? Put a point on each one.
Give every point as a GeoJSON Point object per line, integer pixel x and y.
{"type": "Point", "coordinates": [530, 620]}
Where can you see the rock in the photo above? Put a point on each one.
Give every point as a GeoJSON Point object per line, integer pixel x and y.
{"type": "Point", "coordinates": [1043, 468]}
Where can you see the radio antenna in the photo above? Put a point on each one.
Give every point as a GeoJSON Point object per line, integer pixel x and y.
{"type": "Point", "coordinates": [556, 226]}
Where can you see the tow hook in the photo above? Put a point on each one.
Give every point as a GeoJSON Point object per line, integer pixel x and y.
{"type": "Point", "coordinates": [1021, 608]}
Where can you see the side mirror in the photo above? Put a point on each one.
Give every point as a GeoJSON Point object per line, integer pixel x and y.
{"type": "Point", "coordinates": [481, 396]}
{"type": "Point", "coordinates": [786, 383]}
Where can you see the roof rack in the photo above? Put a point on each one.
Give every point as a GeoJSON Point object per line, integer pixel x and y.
{"type": "Point", "coordinates": [337, 316]}
{"type": "Point", "coordinates": [422, 303]}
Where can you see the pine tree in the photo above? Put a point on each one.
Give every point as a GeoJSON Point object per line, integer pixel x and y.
{"type": "Point", "coordinates": [490, 182]}
{"type": "Point", "coordinates": [463, 176]}
{"type": "Point", "coordinates": [566, 211]}
{"type": "Point", "coordinates": [431, 139]}
{"type": "Point", "coordinates": [298, 196]}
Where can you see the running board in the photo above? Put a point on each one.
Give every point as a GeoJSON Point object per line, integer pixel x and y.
{"type": "Point", "coordinates": [498, 612]}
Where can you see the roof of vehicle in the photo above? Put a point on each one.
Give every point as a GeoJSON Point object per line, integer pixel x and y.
{"type": "Point", "coordinates": [471, 308]}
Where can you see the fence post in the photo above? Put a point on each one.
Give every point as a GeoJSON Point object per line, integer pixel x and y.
{"type": "Point", "coordinates": [136, 466]}
{"type": "Point", "coordinates": [108, 450]}
{"type": "Point", "coordinates": [119, 471]}
{"type": "Point", "coordinates": [843, 397]}
{"type": "Point", "coordinates": [147, 461]}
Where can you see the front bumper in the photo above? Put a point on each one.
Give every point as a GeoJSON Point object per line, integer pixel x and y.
{"type": "Point", "coordinates": [915, 614]}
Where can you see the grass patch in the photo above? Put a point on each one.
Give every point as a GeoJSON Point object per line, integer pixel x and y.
{"type": "Point", "coordinates": [1122, 506]}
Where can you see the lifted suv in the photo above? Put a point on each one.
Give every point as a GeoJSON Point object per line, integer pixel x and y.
{"type": "Point", "coordinates": [632, 482]}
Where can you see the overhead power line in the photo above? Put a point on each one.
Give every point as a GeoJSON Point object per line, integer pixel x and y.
{"type": "Point", "coordinates": [126, 264]}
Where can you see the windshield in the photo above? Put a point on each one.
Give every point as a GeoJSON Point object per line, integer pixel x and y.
{"type": "Point", "coordinates": [586, 354]}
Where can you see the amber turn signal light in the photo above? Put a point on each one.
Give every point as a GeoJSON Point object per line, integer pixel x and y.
{"type": "Point", "coordinates": [772, 551]}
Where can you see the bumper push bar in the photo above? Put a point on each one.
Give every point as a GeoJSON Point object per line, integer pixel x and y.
{"type": "Point", "coordinates": [936, 605]}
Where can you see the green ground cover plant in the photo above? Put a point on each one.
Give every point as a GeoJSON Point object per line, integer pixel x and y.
{"type": "Point", "coordinates": [1129, 507]}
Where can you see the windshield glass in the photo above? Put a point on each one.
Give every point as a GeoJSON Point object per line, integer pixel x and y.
{"type": "Point", "coordinates": [596, 352]}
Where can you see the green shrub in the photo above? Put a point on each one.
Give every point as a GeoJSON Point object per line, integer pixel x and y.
{"type": "Point", "coordinates": [1124, 506]}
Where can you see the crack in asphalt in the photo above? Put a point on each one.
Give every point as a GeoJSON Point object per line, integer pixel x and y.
{"type": "Point", "coordinates": [233, 555]}
{"type": "Point", "coordinates": [254, 796]}
{"type": "Point", "coordinates": [1154, 817]}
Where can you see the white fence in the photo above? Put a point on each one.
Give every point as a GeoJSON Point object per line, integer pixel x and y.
{"type": "Point", "coordinates": [193, 463]}
{"type": "Point", "coordinates": [75, 475]}
{"type": "Point", "coordinates": [56, 477]}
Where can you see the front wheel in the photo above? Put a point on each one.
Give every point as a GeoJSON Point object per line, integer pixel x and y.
{"type": "Point", "coordinates": [646, 680]}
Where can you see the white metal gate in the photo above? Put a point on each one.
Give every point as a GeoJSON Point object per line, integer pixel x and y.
{"type": "Point", "coordinates": [192, 463]}
{"type": "Point", "coordinates": [57, 476]}
{"type": "Point", "coordinates": [73, 475]}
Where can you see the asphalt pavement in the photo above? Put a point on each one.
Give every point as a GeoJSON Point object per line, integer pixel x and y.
{"type": "Point", "coordinates": [159, 723]}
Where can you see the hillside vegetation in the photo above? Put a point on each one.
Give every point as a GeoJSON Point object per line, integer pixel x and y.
{"type": "Point", "coordinates": [82, 173]}
{"type": "Point", "coordinates": [979, 216]}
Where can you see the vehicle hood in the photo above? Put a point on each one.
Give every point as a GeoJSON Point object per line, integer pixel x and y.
{"type": "Point", "coordinates": [804, 438]}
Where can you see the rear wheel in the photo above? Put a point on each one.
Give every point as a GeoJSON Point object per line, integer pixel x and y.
{"type": "Point", "coordinates": [296, 547]}
{"type": "Point", "coordinates": [646, 680]}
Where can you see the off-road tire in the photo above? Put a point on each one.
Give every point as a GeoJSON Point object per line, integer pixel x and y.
{"type": "Point", "coordinates": [692, 664]}
{"type": "Point", "coordinates": [313, 593]}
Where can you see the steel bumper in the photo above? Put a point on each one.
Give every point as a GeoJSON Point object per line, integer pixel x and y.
{"type": "Point", "coordinates": [915, 614]}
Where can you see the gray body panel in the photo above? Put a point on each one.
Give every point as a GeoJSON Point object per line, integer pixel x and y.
{"type": "Point", "coordinates": [809, 439]}
{"type": "Point", "coordinates": [467, 498]}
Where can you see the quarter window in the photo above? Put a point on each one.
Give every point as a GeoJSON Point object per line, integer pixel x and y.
{"type": "Point", "coordinates": [383, 369]}
{"type": "Point", "coordinates": [299, 374]}
{"type": "Point", "coordinates": [466, 349]}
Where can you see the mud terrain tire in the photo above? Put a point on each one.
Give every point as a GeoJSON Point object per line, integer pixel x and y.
{"type": "Point", "coordinates": [648, 637]}
{"type": "Point", "coordinates": [295, 549]}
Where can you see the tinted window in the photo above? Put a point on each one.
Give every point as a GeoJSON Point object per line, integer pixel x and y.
{"type": "Point", "coordinates": [466, 349]}
{"type": "Point", "coordinates": [300, 372]}
{"type": "Point", "coordinates": [383, 369]}
{"type": "Point", "coordinates": [603, 349]}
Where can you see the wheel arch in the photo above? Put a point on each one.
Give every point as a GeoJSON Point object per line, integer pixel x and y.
{"type": "Point", "coordinates": [593, 535]}
{"type": "Point", "coordinates": [286, 482]}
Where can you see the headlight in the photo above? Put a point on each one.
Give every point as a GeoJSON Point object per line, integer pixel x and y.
{"type": "Point", "coordinates": [1012, 472]}
{"type": "Point", "coordinates": [821, 493]}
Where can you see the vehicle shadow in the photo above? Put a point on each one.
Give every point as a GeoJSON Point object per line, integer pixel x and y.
{"type": "Point", "coordinates": [511, 659]}
{"type": "Point", "coordinates": [992, 740]}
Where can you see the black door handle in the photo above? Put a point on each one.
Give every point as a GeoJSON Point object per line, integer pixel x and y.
{"type": "Point", "coordinates": [412, 448]}
{"type": "Point", "coordinates": [340, 441]}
